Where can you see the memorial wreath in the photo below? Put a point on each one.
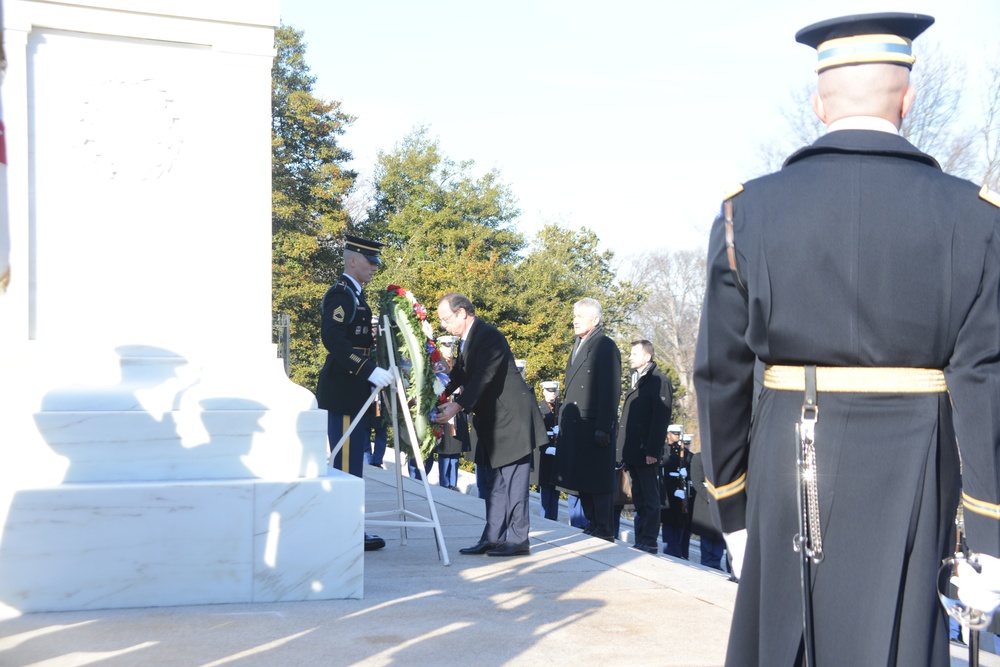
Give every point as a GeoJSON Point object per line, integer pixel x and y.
{"type": "Point", "coordinates": [417, 358]}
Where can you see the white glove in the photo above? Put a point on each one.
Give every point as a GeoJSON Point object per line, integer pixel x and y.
{"type": "Point", "coordinates": [551, 451]}
{"type": "Point", "coordinates": [380, 377]}
{"type": "Point", "coordinates": [736, 543]}
{"type": "Point", "coordinates": [683, 472]}
{"type": "Point", "coordinates": [680, 494]}
{"type": "Point", "coordinates": [979, 590]}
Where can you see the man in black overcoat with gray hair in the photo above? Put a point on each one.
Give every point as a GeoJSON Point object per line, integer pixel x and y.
{"type": "Point", "coordinates": [585, 453]}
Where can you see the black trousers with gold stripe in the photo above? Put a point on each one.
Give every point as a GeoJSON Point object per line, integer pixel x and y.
{"type": "Point", "coordinates": [354, 449]}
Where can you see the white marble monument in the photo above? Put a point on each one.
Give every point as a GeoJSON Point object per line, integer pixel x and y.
{"type": "Point", "coordinates": [152, 451]}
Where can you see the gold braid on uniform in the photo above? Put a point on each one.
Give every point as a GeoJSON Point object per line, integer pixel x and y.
{"type": "Point", "coordinates": [727, 490]}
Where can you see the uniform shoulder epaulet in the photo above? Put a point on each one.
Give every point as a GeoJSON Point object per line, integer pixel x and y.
{"type": "Point", "coordinates": [732, 193]}
{"type": "Point", "coordinates": [990, 196]}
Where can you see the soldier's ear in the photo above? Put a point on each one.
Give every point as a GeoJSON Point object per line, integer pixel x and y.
{"type": "Point", "coordinates": [818, 109]}
{"type": "Point", "coordinates": [908, 98]}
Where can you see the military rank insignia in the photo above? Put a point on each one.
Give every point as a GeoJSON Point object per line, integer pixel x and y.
{"type": "Point", "coordinates": [338, 314]}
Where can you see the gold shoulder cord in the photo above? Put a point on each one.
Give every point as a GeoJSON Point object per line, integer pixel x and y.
{"type": "Point", "coordinates": [731, 242]}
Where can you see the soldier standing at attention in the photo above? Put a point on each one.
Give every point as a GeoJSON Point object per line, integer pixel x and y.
{"type": "Point", "coordinates": [868, 283]}
{"type": "Point", "coordinates": [350, 374]}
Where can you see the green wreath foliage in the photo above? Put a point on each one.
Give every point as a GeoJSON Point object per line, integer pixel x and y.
{"type": "Point", "coordinates": [416, 355]}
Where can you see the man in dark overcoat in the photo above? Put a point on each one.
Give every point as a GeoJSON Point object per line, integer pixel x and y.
{"type": "Point", "coordinates": [641, 434]}
{"type": "Point", "coordinates": [585, 454]}
{"type": "Point", "coordinates": [868, 283]}
{"type": "Point", "coordinates": [349, 373]}
{"type": "Point", "coordinates": [506, 419]}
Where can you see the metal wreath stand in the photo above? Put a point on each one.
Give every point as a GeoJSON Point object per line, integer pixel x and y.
{"type": "Point", "coordinates": [404, 518]}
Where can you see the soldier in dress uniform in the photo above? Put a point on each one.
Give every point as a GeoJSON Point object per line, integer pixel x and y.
{"type": "Point", "coordinates": [868, 282]}
{"type": "Point", "coordinates": [349, 374]}
{"type": "Point", "coordinates": [675, 497]}
{"type": "Point", "coordinates": [543, 473]}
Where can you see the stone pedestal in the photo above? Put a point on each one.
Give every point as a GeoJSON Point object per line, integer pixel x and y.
{"type": "Point", "coordinates": [152, 451]}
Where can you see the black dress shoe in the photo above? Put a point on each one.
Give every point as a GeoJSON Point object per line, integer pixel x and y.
{"type": "Point", "coordinates": [589, 530]}
{"type": "Point", "coordinates": [510, 549]}
{"type": "Point", "coordinates": [479, 549]}
{"type": "Point", "coordinates": [648, 548]}
{"type": "Point", "coordinates": [373, 542]}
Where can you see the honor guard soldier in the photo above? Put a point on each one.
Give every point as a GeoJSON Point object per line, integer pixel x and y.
{"type": "Point", "coordinates": [349, 374]}
{"type": "Point", "coordinates": [867, 282]}
{"type": "Point", "coordinates": [542, 473]}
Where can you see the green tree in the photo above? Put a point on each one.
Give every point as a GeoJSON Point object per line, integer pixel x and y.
{"type": "Point", "coordinates": [562, 267]}
{"type": "Point", "coordinates": [445, 230]}
{"type": "Point", "coordinates": [309, 184]}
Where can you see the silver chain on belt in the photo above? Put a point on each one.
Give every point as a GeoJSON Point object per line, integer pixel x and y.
{"type": "Point", "coordinates": [810, 537]}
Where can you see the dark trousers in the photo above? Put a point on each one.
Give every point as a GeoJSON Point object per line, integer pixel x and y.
{"type": "Point", "coordinates": [448, 470]}
{"type": "Point", "coordinates": [377, 453]}
{"type": "Point", "coordinates": [354, 449]}
{"type": "Point", "coordinates": [677, 540]}
{"type": "Point", "coordinates": [577, 518]}
{"type": "Point", "coordinates": [484, 479]}
{"type": "Point", "coordinates": [414, 469]}
{"type": "Point", "coordinates": [646, 498]}
{"type": "Point", "coordinates": [712, 552]}
{"type": "Point", "coordinates": [599, 510]}
{"type": "Point", "coordinates": [507, 503]}
{"type": "Point", "coordinates": [550, 502]}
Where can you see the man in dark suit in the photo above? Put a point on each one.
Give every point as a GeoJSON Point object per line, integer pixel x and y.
{"type": "Point", "coordinates": [643, 430]}
{"type": "Point", "coordinates": [585, 456]}
{"type": "Point", "coordinates": [868, 282]}
{"type": "Point", "coordinates": [506, 419]}
{"type": "Point", "coordinates": [349, 374]}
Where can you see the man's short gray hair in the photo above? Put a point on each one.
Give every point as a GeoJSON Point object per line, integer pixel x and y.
{"type": "Point", "coordinates": [593, 304]}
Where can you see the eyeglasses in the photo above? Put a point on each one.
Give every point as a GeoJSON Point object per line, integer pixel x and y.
{"type": "Point", "coordinates": [446, 320]}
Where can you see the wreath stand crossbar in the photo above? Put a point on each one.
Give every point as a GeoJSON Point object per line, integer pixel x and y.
{"type": "Point", "coordinates": [405, 518]}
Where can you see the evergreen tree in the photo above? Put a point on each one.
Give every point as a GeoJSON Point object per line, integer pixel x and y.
{"type": "Point", "coordinates": [445, 230]}
{"type": "Point", "coordinates": [309, 184]}
{"type": "Point", "coordinates": [562, 267]}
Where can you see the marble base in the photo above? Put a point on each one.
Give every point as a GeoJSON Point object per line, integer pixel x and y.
{"type": "Point", "coordinates": [95, 546]}
{"type": "Point", "coordinates": [139, 476]}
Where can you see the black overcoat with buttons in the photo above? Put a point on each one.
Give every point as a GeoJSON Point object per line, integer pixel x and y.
{"type": "Point", "coordinates": [593, 391]}
{"type": "Point", "coordinates": [860, 252]}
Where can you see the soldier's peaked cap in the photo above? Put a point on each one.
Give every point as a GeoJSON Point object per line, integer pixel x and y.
{"type": "Point", "coordinates": [858, 39]}
{"type": "Point", "coordinates": [369, 249]}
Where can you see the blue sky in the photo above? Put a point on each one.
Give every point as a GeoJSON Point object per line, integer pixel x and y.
{"type": "Point", "coordinates": [630, 118]}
